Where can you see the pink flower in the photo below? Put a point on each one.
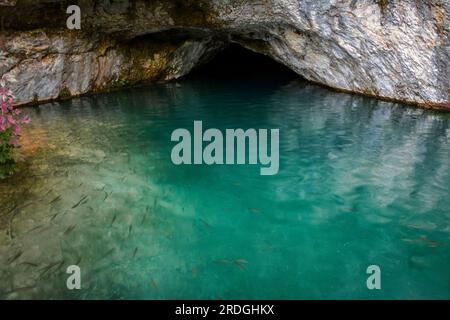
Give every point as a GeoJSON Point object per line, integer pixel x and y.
{"type": "Point", "coordinates": [25, 120]}
{"type": "Point", "coordinates": [14, 142]}
{"type": "Point", "coordinates": [11, 119]}
{"type": "Point", "coordinates": [4, 108]}
{"type": "Point", "coordinates": [9, 115]}
{"type": "Point", "coordinates": [16, 130]}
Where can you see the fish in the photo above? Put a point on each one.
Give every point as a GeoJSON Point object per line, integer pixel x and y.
{"type": "Point", "coordinates": [113, 219]}
{"type": "Point", "coordinates": [130, 228]}
{"type": "Point", "coordinates": [206, 224]}
{"type": "Point", "coordinates": [154, 284]}
{"type": "Point", "coordinates": [60, 173]}
{"type": "Point", "coordinates": [25, 205]}
{"type": "Point", "coordinates": [222, 261]}
{"type": "Point", "coordinates": [431, 243]}
{"type": "Point", "coordinates": [9, 232]}
{"type": "Point", "coordinates": [70, 229]}
{"type": "Point", "coordinates": [109, 252]}
{"type": "Point", "coordinates": [21, 289]}
{"type": "Point", "coordinates": [425, 239]}
{"type": "Point", "coordinates": [60, 264]}
{"type": "Point", "coordinates": [194, 271]}
{"type": "Point", "coordinates": [84, 201]}
{"type": "Point", "coordinates": [54, 216]}
{"type": "Point", "coordinates": [106, 196]}
{"type": "Point", "coordinates": [240, 262]}
{"type": "Point", "coordinates": [253, 210]}
{"type": "Point", "coordinates": [31, 264]}
{"type": "Point", "coordinates": [135, 251]}
{"type": "Point", "coordinates": [78, 261]}
{"type": "Point", "coordinates": [35, 228]}
{"type": "Point", "coordinates": [143, 219]}
{"type": "Point", "coordinates": [80, 202]}
{"type": "Point", "coordinates": [50, 266]}
{"type": "Point", "coordinates": [241, 266]}
{"type": "Point", "coordinates": [13, 208]}
{"type": "Point", "coordinates": [15, 257]}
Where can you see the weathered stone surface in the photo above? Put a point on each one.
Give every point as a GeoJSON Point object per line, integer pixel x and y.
{"type": "Point", "coordinates": [57, 65]}
{"type": "Point", "coordinates": [397, 49]}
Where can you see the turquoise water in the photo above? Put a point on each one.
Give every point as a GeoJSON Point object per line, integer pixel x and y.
{"type": "Point", "coordinates": [361, 182]}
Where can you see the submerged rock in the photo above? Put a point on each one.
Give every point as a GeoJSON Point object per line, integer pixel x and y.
{"type": "Point", "coordinates": [396, 49]}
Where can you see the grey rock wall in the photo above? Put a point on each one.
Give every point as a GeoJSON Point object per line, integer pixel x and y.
{"type": "Point", "coordinates": [396, 49]}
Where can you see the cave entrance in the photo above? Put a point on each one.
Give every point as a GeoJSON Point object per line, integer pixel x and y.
{"type": "Point", "coordinates": [237, 63]}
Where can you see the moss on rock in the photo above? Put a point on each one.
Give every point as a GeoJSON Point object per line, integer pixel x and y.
{"type": "Point", "coordinates": [64, 93]}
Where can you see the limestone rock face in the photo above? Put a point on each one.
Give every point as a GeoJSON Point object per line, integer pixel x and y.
{"type": "Point", "coordinates": [397, 49]}
{"type": "Point", "coordinates": [50, 65]}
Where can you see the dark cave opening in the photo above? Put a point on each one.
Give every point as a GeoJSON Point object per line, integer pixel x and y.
{"type": "Point", "coordinates": [238, 63]}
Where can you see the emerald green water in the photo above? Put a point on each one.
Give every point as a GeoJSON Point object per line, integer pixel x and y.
{"type": "Point", "coordinates": [361, 182]}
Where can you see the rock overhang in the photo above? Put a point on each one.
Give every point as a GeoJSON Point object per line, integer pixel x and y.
{"type": "Point", "coordinates": [398, 50]}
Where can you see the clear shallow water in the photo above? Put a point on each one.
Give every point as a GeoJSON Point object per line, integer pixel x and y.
{"type": "Point", "coordinates": [361, 182]}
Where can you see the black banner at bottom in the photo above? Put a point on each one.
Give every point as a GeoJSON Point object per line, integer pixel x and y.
{"type": "Point", "coordinates": [228, 309]}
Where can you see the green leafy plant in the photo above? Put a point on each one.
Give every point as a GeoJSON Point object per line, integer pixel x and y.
{"type": "Point", "coordinates": [7, 161]}
{"type": "Point", "coordinates": [65, 93]}
{"type": "Point", "coordinates": [114, 84]}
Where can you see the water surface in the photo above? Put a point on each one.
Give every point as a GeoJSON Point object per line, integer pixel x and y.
{"type": "Point", "coordinates": [361, 182]}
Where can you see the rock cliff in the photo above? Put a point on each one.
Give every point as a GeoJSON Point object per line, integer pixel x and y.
{"type": "Point", "coordinates": [395, 49]}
